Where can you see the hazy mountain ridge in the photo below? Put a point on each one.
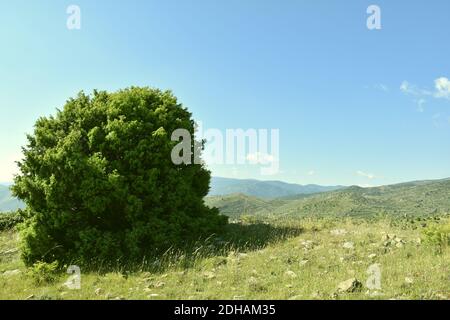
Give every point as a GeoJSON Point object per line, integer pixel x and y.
{"type": "Point", "coordinates": [7, 201]}
{"type": "Point", "coordinates": [219, 187]}
{"type": "Point", "coordinates": [263, 189]}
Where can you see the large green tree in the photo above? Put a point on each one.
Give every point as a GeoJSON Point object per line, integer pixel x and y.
{"type": "Point", "coordinates": [99, 182]}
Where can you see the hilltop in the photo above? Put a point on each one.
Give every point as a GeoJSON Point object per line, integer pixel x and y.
{"type": "Point", "coordinates": [416, 198]}
{"type": "Point", "coordinates": [235, 205]}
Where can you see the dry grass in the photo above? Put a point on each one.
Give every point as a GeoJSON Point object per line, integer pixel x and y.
{"type": "Point", "coordinates": [293, 259]}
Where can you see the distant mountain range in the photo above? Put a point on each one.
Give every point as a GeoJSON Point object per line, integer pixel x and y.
{"type": "Point", "coordinates": [235, 197]}
{"type": "Point", "coordinates": [219, 186]}
{"type": "Point", "coordinates": [418, 198]}
{"type": "Point", "coordinates": [7, 201]}
{"type": "Point", "coordinates": [264, 189]}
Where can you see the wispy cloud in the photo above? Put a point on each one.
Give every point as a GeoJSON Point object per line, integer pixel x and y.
{"type": "Point", "coordinates": [421, 96]}
{"type": "Point", "coordinates": [378, 86]}
{"type": "Point", "coordinates": [436, 117]}
{"type": "Point", "coordinates": [441, 90]}
{"type": "Point", "coordinates": [412, 89]}
{"type": "Point", "coordinates": [311, 172]}
{"type": "Point", "coordinates": [369, 176]}
{"type": "Point", "coordinates": [420, 104]}
{"type": "Point", "coordinates": [381, 87]}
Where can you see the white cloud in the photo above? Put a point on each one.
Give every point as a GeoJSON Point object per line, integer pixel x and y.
{"type": "Point", "coordinates": [365, 174]}
{"type": "Point", "coordinates": [311, 173]}
{"type": "Point", "coordinates": [441, 89]}
{"type": "Point", "coordinates": [442, 86]}
{"type": "Point", "coordinates": [407, 88]}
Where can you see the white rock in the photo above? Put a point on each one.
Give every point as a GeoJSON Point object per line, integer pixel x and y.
{"type": "Point", "coordinates": [350, 285]}
{"type": "Point", "coordinates": [98, 291]}
{"type": "Point", "coordinates": [10, 273]}
{"type": "Point", "coordinates": [303, 262]}
{"type": "Point", "coordinates": [308, 244]}
{"type": "Point", "coordinates": [409, 280]}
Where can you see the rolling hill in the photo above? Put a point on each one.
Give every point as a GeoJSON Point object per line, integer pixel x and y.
{"type": "Point", "coordinates": [235, 205]}
{"type": "Point", "coordinates": [414, 199]}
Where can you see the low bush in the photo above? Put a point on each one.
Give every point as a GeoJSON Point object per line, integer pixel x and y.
{"type": "Point", "coordinates": [9, 220]}
{"type": "Point", "coordinates": [100, 184]}
{"type": "Point", "coordinates": [43, 273]}
{"type": "Point", "coordinates": [437, 235]}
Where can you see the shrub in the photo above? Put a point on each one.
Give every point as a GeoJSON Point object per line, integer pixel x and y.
{"type": "Point", "coordinates": [43, 273]}
{"type": "Point", "coordinates": [99, 182]}
{"type": "Point", "coordinates": [438, 235]}
{"type": "Point", "coordinates": [9, 220]}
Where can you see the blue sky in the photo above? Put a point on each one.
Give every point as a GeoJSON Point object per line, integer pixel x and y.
{"type": "Point", "coordinates": [353, 106]}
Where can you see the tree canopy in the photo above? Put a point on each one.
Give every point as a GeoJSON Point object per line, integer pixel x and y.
{"type": "Point", "coordinates": [99, 182]}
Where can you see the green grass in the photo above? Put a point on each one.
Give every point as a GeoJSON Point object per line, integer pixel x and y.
{"type": "Point", "coordinates": [301, 258]}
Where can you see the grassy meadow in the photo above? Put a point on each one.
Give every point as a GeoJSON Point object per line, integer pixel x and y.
{"type": "Point", "coordinates": [302, 258]}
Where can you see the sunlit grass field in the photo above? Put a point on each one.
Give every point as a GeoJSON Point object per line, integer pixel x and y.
{"type": "Point", "coordinates": [305, 258]}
